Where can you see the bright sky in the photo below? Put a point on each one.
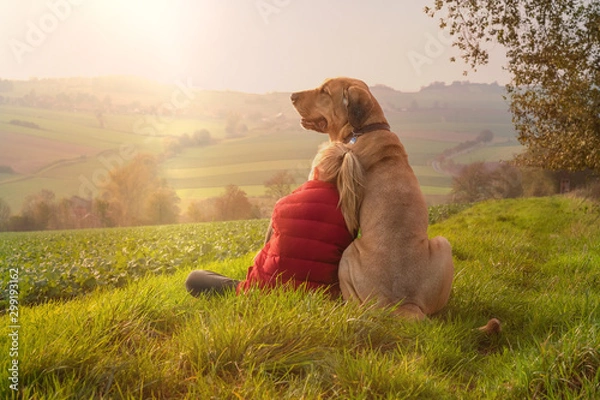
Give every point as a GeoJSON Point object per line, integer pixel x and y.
{"type": "Point", "coordinates": [242, 45]}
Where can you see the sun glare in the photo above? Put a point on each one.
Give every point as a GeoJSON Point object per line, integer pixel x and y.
{"type": "Point", "coordinates": [149, 25]}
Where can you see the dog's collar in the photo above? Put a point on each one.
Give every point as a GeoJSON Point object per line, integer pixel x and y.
{"type": "Point", "coordinates": [380, 126]}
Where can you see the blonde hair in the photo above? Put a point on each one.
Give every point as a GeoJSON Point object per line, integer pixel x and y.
{"type": "Point", "coordinates": [337, 163]}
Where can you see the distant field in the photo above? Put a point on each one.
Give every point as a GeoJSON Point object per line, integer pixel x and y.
{"type": "Point", "coordinates": [503, 152]}
{"type": "Point", "coordinates": [264, 148]}
{"type": "Point", "coordinates": [70, 147]}
{"type": "Point", "coordinates": [464, 130]}
{"type": "Point", "coordinates": [70, 127]}
{"type": "Point", "coordinates": [195, 194]}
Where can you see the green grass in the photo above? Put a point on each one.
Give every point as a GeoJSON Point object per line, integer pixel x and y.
{"type": "Point", "coordinates": [532, 263]}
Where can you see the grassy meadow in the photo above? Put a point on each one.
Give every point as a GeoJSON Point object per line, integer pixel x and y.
{"type": "Point", "coordinates": [69, 148]}
{"type": "Point", "coordinates": [532, 263]}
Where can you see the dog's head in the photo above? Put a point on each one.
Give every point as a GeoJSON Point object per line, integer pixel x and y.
{"type": "Point", "coordinates": [337, 107]}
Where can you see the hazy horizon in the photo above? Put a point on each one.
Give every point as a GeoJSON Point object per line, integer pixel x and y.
{"type": "Point", "coordinates": [248, 46]}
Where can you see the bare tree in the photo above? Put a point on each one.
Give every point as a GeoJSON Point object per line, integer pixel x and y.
{"type": "Point", "coordinates": [64, 217]}
{"type": "Point", "coordinates": [480, 181]}
{"type": "Point", "coordinates": [280, 184]}
{"type": "Point", "coordinates": [38, 210]}
{"type": "Point", "coordinates": [4, 214]}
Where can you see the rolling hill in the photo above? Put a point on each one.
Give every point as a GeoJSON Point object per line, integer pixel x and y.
{"type": "Point", "coordinates": [66, 134]}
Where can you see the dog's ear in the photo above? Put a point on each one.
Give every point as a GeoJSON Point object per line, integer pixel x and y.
{"type": "Point", "coordinates": [359, 104]}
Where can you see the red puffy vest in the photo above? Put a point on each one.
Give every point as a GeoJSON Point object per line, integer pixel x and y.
{"type": "Point", "coordinates": [308, 239]}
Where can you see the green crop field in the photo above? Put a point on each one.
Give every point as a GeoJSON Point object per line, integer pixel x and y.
{"type": "Point", "coordinates": [104, 314]}
{"type": "Point", "coordinates": [66, 264]}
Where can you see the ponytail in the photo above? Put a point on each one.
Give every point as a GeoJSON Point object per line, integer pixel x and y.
{"type": "Point", "coordinates": [338, 164]}
{"type": "Point", "coordinates": [350, 183]}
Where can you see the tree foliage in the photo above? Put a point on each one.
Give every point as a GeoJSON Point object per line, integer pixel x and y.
{"type": "Point", "coordinates": [162, 206]}
{"type": "Point", "coordinates": [553, 53]}
{"type": "Point", "coordinates": [136, 195]}
{"type": "Point", "coordinates": [196, 212]}
{"type": "Point", "coordinates": [4, 214]}
{"type": "Point", "coordinates": [233, 205]}
{"type": "Point", "coordinates": [480, 181]}
{"type": "Point", "coordinates": [38, 209]}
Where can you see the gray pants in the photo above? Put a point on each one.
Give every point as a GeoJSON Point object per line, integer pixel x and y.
{"type": "Point", "coordinates": [208, 282]}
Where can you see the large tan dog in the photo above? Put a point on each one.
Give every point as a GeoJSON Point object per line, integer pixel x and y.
{"type": "Point", "coordinates": [393, 262]}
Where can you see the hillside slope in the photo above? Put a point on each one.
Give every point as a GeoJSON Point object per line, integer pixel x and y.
{"type": "Point", "coordinates": [532, 263]}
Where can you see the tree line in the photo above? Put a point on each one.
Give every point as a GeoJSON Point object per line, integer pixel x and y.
{"type": "Point", "coordinates": [480, 181]}
{"type": "Point", "coordinates": [133, 195]}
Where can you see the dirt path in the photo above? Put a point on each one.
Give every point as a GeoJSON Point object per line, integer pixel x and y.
{"type": "Point", "coordinates": [437, 165]}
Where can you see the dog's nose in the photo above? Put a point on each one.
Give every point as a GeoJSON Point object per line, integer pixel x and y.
{"type": "Point", "coordinates": [294, 97]}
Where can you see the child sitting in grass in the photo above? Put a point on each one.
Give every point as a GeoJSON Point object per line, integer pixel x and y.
{"type": "Point", "coordinates": [310, 229]}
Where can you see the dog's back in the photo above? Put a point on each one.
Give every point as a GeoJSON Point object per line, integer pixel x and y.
{"type": "Point", "coordinates": [393, 221]}
{"type": "Point", "coordinates": [393, 261]}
